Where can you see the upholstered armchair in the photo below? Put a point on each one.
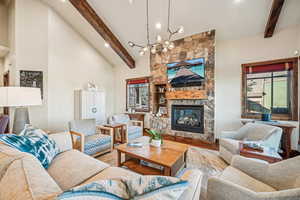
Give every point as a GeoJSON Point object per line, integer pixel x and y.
{"type": "Point", "coordinates": [249, 179]}
{"type": "Point", "coordinates": [91, 139]}
{"type": "Point", "coordinates": [134, 129]}
{"type": "Point", "coordinates": [266, 135]}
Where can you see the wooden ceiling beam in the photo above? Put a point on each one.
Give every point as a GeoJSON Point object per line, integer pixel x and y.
{"type": "Point", "coordinates": [273, 17]}
{"type": "Point", "coordinates": [98, 24]}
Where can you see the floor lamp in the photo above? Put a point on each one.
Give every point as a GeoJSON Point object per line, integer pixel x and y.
{"type": "Point", "coordinates": [20, 98]}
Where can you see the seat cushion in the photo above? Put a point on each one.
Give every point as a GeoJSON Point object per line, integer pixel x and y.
{"type": "Point", "coordinates": [24, 178]}
{"type": "Point", "coordinates": [113, 173]}
{"type": "Point", "coordinates": [230, 144]}
{"type": "Point", "coordinates": [240, 178]}
{"type": "Point", "coordinates": [97, 143]}
{"type": "Point", "coordinates": [72, 167]}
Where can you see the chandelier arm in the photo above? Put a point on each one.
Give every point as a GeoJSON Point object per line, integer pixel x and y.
{"type": "Point", "coordinates": [136, 45]}
{"type": "Point", "coordinates": [140, 46]}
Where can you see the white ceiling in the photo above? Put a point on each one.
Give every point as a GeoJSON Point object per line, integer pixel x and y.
{"type": "Point", "coordinates": [128, 21]}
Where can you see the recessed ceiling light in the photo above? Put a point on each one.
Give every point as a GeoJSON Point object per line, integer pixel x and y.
{"type": "Point", "coordinates": [106, 45]}
{"type": "Point", "coordinates": [64, 1]}
{"type": "Point", "coordinates": [131, 1]}
{"type": "Point", "coordinates": [158, 25]}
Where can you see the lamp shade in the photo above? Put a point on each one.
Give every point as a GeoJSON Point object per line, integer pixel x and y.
{"type": "Point", "coordinates": [20, 96]}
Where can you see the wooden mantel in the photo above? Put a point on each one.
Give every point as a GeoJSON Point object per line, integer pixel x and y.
{"type": "Point", "coordinates": [186, 94]}
{"type": "Point", "coordinates": [98, 24]}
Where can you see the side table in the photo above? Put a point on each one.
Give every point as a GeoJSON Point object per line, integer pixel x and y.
{"type": "Point", "coordinates": [267, 154]}
{"type": "Point", "coordinates": [116, 128]}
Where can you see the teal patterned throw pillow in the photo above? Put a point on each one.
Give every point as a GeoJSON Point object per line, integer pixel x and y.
{"type": "Point", "coordinates": [156, 187]}
{"type": "Point", "coordinates": [141, 188]}
{"type": "Point", "coordinates": [33, 141]}
{"type": "Point", "coordinates": [98, 190]}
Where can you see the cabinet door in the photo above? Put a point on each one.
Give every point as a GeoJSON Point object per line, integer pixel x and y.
{"type": "Point", "coordinates": [100, 106]}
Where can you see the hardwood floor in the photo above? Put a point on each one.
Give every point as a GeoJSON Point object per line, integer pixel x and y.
{"type": "Point", "coordinates": [191, 141]}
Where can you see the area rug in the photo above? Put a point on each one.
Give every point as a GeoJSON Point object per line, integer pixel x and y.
{"type": "Point", "coordinates": [208, 161]}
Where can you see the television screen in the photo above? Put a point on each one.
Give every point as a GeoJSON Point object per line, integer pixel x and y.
{"type": "Point", "coordinates": [186, 73]}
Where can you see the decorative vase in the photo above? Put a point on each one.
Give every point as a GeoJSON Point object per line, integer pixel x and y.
{"type": "Point", "coordinates": [155, 143]}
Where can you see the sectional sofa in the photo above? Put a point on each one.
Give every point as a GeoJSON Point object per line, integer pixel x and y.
{"type": "Point", "coordinates": [22, 177]}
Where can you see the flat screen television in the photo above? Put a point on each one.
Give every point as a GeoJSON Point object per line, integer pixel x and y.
{"type": "Point", "coordinates": [186, 73]}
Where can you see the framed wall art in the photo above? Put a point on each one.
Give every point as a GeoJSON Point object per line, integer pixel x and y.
{"type": "Point", "coordinates": [32, 79]}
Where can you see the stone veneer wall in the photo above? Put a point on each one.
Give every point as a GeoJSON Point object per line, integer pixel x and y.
{"type": "Point", "coordinates": [197, 46]}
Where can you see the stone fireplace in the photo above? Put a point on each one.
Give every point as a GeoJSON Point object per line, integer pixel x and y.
{"type": "Point", "coordinates": [202, 97]}
{"type": "Point", "coordinates": [187, 118]}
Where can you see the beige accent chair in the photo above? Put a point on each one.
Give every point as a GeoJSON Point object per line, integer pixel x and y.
{"type": "Point", "coordinates": [268, 136]}
{"type": "Point", "coordinates": [91, 139]}
{"type": "Point", "coordinates": [249, 179]}
{"type": "Point", "coordinates": [22, 177]}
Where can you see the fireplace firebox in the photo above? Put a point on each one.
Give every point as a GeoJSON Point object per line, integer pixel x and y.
{"type": "Point", "coordinates": [188, 118]}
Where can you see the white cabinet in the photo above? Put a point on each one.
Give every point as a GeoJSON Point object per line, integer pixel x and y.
{"type": "Point", "coordinates": [90, 105]}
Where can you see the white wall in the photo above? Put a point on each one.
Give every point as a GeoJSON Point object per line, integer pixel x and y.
{"type": "Point", "coordinates": [3, 24]}
{"type": "Point", "coordinates": [72, 64]}
{"type": "Point", "coordinates": [31, 43]}
{"type": "Point", "coordinates": [230, 55]}
{"type": "Point", "coordinates": [124, 72]}
{"type": "Point", "coordinates": [42, 41]}
{"type": "Point", "coordinates": [121, 74]}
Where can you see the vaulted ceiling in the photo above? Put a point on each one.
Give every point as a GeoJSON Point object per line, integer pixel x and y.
{"type": "Point", "coordinates": [232, 19]}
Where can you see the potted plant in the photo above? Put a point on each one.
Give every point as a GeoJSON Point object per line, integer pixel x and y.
{"type": "Point", "coordinates": [155, 138]}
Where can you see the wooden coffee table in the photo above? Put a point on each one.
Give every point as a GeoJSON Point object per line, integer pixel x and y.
{"type": "Point", "coordinates": [267, 154]}
{"type": "Point", "coordinates": [171, 156]}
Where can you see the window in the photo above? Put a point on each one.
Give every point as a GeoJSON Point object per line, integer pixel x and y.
{"type": "Point", "coordinates": [138, 94]}
{"type": "Point", "coordinates": [270, 87]}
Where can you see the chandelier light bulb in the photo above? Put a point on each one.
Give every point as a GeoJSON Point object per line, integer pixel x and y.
{"type": "Point", "coordinates": [106, 45]}
{"type": "Point", "coordinates": [165, 50]}
{"type": "Point", "coordinates": [172, 45]}
{"type": "Point", "coordinates": [142, 52]}
{"type": "Point", "coordinates": [181, 29]}
{"type": "Point", "coordinates": [131, 44]}
{"type": "Point", "coordinates": [167, 42]}
{"type": "Point", "coordinates": [145, 49]}
{"type": "Point", "coordinates": [153, 50]}
{"type": "Point", "coordinates": [158, 38]}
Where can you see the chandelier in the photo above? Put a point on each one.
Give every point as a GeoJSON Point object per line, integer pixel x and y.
{"type": "Point", "coordinates": [161, 44]}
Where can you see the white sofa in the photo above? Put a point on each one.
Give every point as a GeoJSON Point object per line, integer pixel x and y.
{"type": "Point", "coordinates": [269, 136]}
{"type": "Point", "coordinates": [248, 179]}
{"type": "Point", "coordinates": [22, 176]}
